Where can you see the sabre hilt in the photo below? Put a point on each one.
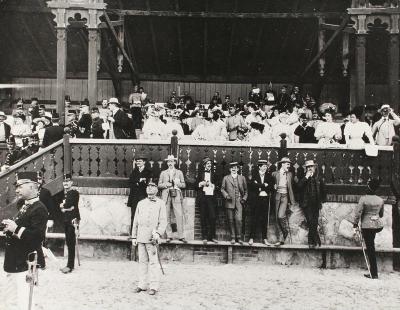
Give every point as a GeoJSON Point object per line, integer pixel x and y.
{"type": "Point", "coordinates": [32, 275]}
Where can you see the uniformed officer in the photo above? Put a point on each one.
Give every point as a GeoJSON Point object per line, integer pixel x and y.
{"type": "Point", "coordinates": [24, 234]}
{"type": "Point", "coordinates": [149, 224]}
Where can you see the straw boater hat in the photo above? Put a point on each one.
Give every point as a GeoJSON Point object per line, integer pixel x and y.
{"type": "Point", "coordinates": [284, 160]}
{"type": "Point", "coordinates": [233, 164]}
{"type": "Point", "coordinates": [384, 106]}
{"type": "Point", "coordinates": [142, 156]}
{"type": "Point", "coordinates": [309, 163]}
{"type": "Point", "coordinates": [171, 157]}
{"type": "Point", "coordinates": [206, 160]}
{"type": "Point", "coordinates": [262, 162]}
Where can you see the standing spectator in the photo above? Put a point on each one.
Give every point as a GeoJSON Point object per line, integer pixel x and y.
{"type": "Point", "coordinates": [105, 112]}
{"type": "Point", "coordinates": [261, 187]}
{"type": "Point", "coordinates": [135, 106]}
{"type": "Point", "coordinates": [13, 154]}
{"type": "Point", "coordinates": [255, 94]}
{"type": "Point", "coordinates": [97, 131]}
{"type": "Point", "coordinates": [234, 191]}
{"type": "Point", "coordinates": [120, 121]}
{"type": "Point", "coordinates": [5, 129]}
{"type": "Point", "coordinates": [312, 194]}
{"type": "Point", "coordinates": [283, 197]}
{"type": "Point", "coordinates": [233, 122]}
{"type": "Point", "coordinates": [383, 130]}
{"type": "Point", "coordinates": [148, 226]}
{"type": "Point", "coordinates": [217, 98]}
{"type": "Point", "coordinates": [328, 132]}
{"type": "Point", "coordinates": [171, 183]}
{"type": "Point", "coordinates": [21, 129]}
{"type": "Point", "coordinates": [283, 101]}
{"type": "Point", "coordinates": [84, 121]}
{"type": "Point", "coordinates": [305, 132]}
{"type": "Point", "coordinates": [270, 96]}
{"type": "Point", "coordinates": [72, 125]}
{"type": "Point", "coordinates": [138, 180]}
{"type": "Point", "coordinates": [34, 108]}
{"type": "Point", "coordinates": [225, 105]}
{"type": "Point", "coordinates": [53, 133]}
{"type": "Point", "coordinates": [296, 98]}
{"type": "Point", "coordinates": [370, 211]}
{"type": "Point", "coordinates": [355, 130]}
{"type": "Point", "coordinates": [70, 208]}
{"type": "Point", "coordinates": [207, 201]}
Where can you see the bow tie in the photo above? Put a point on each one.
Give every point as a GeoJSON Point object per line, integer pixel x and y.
{"type": "Point", "coordinates": [153, 199]}
{"type": "Point", "coordinates": [207, 170]}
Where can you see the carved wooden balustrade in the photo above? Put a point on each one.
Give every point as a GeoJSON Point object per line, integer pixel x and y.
{"type": "Point", "coordinates": [49, 161]}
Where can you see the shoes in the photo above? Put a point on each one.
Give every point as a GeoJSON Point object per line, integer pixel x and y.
{"type": "Point", "coordinates": [183, 240]}
{"type": "Point", "coordinates": [152, 292]}
{"type": "Point", "coordinates": [267, 243]}
{"type": "Point", "coordinates": [204, 241]}
{"type": "Point", "coordinates": [168, 240]}
{"type": "Point", "coordinates": [42, 267]}
{"type": "Point", "coordinates": [369, 276]}
{"type": "Point", "coordinates": [233, 241]}
{"type": "Point", "coordinates": [279, 243]}
{"type": "Point", "coordinates": [240, 241]}
{"type": "Point", "coordinates": [138, 290]}
{"type": "Point", "coordinates": [66, 270]}
{"type": "Point", "coordinates": [312, 246]}
{"type": "Point", "coordinates": [214, 240]}
{"type": "Point", "coordinates": [251, 241]}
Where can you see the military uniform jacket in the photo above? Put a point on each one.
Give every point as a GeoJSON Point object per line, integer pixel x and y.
{"type": "Point", "coordinates": [71, 200]}
{"type": "Point", "coordinates": [370, 211]}
{"type": "Point", "coordinates": [31, 221]}
{"type": "Point", "coordinates": [150, 215]}
{"type": "Point", "coordinates": [138, 187]}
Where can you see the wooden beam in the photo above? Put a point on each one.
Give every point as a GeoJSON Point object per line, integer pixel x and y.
{"type": "Point", "coordinates": [205, 40]}
{"type": "Point", "coordinates": [179, 34]}
{"type": "Point", "coordinates": [153, 40]}
{"type": "Point", "coordinates": [16, 50]}
{"type": "Point", "coordinates": [135, 78]}
{"type": "Point", "coordinates": [327, 45]}
{"type": "Point", "coordinates": [333, 27]}
{"type": "Point", "coordinates": [37, 46]}
{"type": "Point", "coordinates": [259, 37]}
{"type": "Point", "coordinates": [231, 40]}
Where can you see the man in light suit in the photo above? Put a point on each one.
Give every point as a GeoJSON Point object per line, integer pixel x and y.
{"type": "Point", "coordinates": [283, 197]}
{"type": "Point", "coordinates": [234, 190]}
{"type": "Point", "coordinates": [384, 130]}
{"type": "Point", "coordinates": [171, 183]}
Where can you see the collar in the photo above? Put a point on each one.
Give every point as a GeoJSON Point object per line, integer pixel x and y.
{"type": "Point", "coordinates": [31, 201]}
{"type": "Point", "coordinates": [282, 171]}
{"type": "Point", "coordinates": [234, 175]}
{"type": "Point", "coordinates": [207, 171]}
{"type": "Point", "coordinates": [141, 169]}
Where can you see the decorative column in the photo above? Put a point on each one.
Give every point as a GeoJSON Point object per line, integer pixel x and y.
{"type": "Point", "coordinates": [61, 71]}
{"type": "Point", "coordinates": [393, 63]}
{"type": "Point", "coordinates": [92, 66]}
{"type": "Point", "coordinates": [361, 40]}
{"type": "Point", "coordinates": [321, 44]}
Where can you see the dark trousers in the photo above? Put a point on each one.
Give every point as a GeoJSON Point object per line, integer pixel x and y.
{"type": "Point", "coordinates": [70, 241]}
{"type": "Point", "coordinates": [369, 238]}
{"type": "Point", "coordinates": [133, 210]}
{"type": "Point", "coordinates": [40, 257]}
{"type": "Point", "coordinates": [311, 213]}
{"type": "Point", "coordinates": [207, 205]}
{"type": "Point", "coordinates": [235, 223]}
{"type": "Point", "coordinates": [259, 217]}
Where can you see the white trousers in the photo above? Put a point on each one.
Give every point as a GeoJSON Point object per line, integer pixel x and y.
{"type": "Point", "coordinates": [17, 292]}
{"type": "Point", "coordinates": [149, 267]}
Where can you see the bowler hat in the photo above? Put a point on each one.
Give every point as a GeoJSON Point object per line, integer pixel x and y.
{"type": "Point", "coordinates": [262, 162]}
{"type": "Point", "coordinates": [309, 163]}
{"type": "Point", "coordinates": [233, 164]}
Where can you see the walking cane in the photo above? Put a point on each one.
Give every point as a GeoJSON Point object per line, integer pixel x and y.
{"type": "Point", "coordinates": [32, 275]}
{"type": "Point", "coordinates": [363, 249]}
{"type": "Point", "coordinates": [157, 247]}
{"type": "Point", "coordinates": [76, 227]}
{"type": "Point", "coordinates": [268, 215]}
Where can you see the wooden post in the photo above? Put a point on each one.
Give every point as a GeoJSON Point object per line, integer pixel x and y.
{"type": "Point", "coordinates": [283, 148]}
{"type": "Point", "coordinates": [393, 64]}
{"type": "Point", "coordinates": [395, 184]}
{"type": "Point", "coordinates": [361, 40]}
{"type": "Point", "coordinates": [92, 66]}
{"type": "Point", "coordinates": [174, 147]}
{"type": "Point", "coordinates": [61, 72]}
{"type": "Point", "coordinates": [67, 155]}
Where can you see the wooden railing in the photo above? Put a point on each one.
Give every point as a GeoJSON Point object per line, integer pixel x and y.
{"type": "Point", "coordinates": [49, 161]}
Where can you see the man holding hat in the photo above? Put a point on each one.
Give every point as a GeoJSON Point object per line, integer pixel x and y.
{"type": "Point", "coordinates": [148, 227]}
{"type": "Point", "coordinates": [383, 130]}
{"type": "Point", "coordinates": [283, 197]}
{"type": "Point", "coordinates": [5, 129]}
{"type": "Point", "coordinates": [138, 180]}
{"type": "Point", "coordinates": [171, 183]}
{"type": "Point", "coordinates": [24, 234]}
{"type": "Point", "coordinates": [207, 201]}
{"type": "Point", "coordinates": [261, 188]}
{"type": "Point", "coordinates": [312, 194]}
{"type": "Point", "coordinates": [70, 208]}
{"type": "Point", "coordinates": [84, 121]}
{"type": "Point", "coordinates": [234, 190]}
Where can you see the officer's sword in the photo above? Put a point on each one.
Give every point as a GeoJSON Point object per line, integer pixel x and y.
{"type": "Point", "coordinates": [32, 275]}
{"type": "Point", "coordinates": [76, 227]}
{"type": "Point", "coordinates": [363, 249]}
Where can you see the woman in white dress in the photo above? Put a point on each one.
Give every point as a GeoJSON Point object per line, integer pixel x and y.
{"type": "Point", "coordinates": [328, 132]}
{"type": "Point", "coordinates": [355, 130]}
{"type": "Point", "coordinates": [20, 129]}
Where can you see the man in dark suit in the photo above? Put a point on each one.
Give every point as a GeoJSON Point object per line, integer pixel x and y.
{"type": "Point", "coordinates": [261, 187]}
{"type": "Point", "coordinates": [312, 194]}
{"type": "Point", "coordinates": [138, 180]}
{"type": "Point", "coordinates": [24, 234]}
{"type": "Point", "coordinates": [234, 190]}
{"type": "Point", "coordinates": [84, 121]}
{"type": "Point", "coordinates": [5, 129]}
{"type": "Point", "coordinates": [283, 197]}
{"type": "Point", "coordinates": [70, 208]}
{"type": "Point", "coordinates": [53, 133]}
{"type": "Point", "coordinates": [207, 201]}
{"type": "Point", "coordinates": [121, 123]}
{"type": "Point", "coordinates": [97, 131]}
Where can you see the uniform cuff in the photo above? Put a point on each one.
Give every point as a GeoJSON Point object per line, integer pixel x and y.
{"type": "Point", "coordinates": [19, 231]}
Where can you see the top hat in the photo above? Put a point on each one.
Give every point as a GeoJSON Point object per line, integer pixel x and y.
{"type": "Point", "coordinates": [171, 157]}
{"type": "Point", "coordinates": [24, 177]}
{"type": "Point", "coordinates": [284, 160]}
{"type": "Point", "coordinates": [262, 162]}
{"type": "Point", "coordinates": [140, 156]}
{"type": "Point", "coordinates": [309, 163]}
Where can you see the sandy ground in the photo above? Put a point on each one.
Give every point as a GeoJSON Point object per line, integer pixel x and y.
{"type": "Point", "coordinates": [105, 285]}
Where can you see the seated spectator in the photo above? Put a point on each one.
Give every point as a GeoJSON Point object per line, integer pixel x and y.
{"type": "Point", "coordinates": [282, 127]}
{"type": "Point", "coordinates": [53, 133]}
{"type": "Point", "coordinates": [38, 128]}
{"type": "Point", "coordinates": [384, 129]}
{"type": "Point", "coordinates": [20, 129]}
{"type": "Point", "coordinates": [153, 127]}
{"type": "Point", "coordinates": [210, 130]}
{"type": "Point", "coordinates": [233, 122]}
{"type": "Point", "coordinates": [355, 129]}
{"type": "Point", "coordinates": [96, 130]}
{"type": "Point", "coordinates": [217, 99]}
{"type": "Point", "coordinates": [296, 97]}
{"type": "Point", "coordinates": [5, 129]}
{"type": "Point", "coordinates": [227, 103]}
{"type": "Point", "coordinates": [174, 123]}
{"type": "Point", "coordinates": [255, 114]}
{"type": "Point", "coordinates": [328, 132]}
{"type": "Point", "coordinates": [255, 94]}
{"type": "Point", "coordinates": [197, 119]}
{"type": "Point", "coordinates": [346, 119]}
{"type": "Point", "coordinates": [304, 132]}
{"type": "Point", "coordinates": [241, 134]}
{"type": "Point", "coordinates": [257, 134]}
{"type": "Point", "coordinates": [72, 125]}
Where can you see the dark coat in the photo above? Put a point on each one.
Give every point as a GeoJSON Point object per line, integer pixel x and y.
{"type": "Point", "coordinates": [306, 134]}
{"type": "Point", "coordinates": [47, 199]}
{"type": "Point", "coordinates": [123, 126]}
{"type": "Point", "coordinates": [7, 130]}
{"type": "Point", "coordinates": [138, 187]}
{"type": "Point", "coordinates": [200, 178]}
{"type": "Point", "coordinates": [97, 128]}
{"type": "Point", "coordinates": [52, 134]}
{"type": "Point", "coordinates": [84, 126]}
{"type": "Point", "coordinates": [305, 199]}
{"type": "Point", "coordinates": [256, 185]}
{"type": "Point", "coordinates": [34, 221]}
{"type": "Point", "coordinates": [71, 199]}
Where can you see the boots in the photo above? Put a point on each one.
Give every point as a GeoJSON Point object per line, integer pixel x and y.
{"type": "Point", "coordinates": [284, 226]}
